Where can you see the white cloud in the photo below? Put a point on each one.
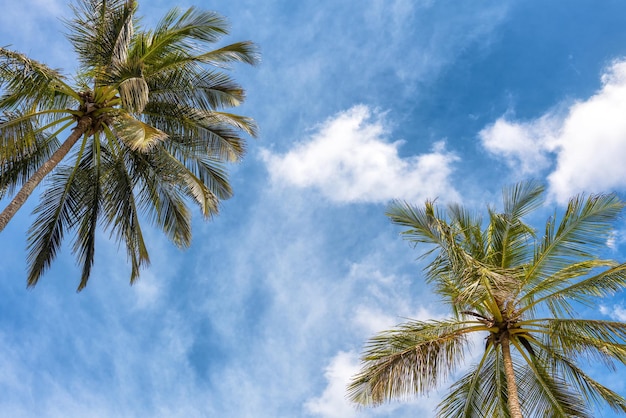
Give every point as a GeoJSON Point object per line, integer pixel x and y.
{"type": "Point", "coordinates": [588, 141]}
{"type": "Point", "coordinates": [333, 402]}
{"type": "Point", "coordinates": [349, 159]}
{"type": "Point", "coordinates": [616, 312]}
{"type": "Point", "coordinates": [523, 146]}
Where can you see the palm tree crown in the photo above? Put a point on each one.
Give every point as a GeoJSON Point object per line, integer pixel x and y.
{"type": "Point", "coordinates": [148, 131]}
{"type": "Point", "coordinates": [522, 293]}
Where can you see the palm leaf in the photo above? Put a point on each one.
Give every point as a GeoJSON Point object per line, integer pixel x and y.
{"type": "Point", "coordinates": [603, 341]}
{"type": "Point", "coordinates": [547, 394]}
{"type": "Point", "coordinates": [101, 32]}
{"type": "Point", "coordinates": [246, 52]}
{"type": "Point", "coordinates": [411, 359]}
{"type": "Point", "coordinates": [559, 290]}
{"type": "Point", "coordinates": [56, 212]}
{"type": "Point", "coordinates": [137, 135]}
{"type": "Point", "coordinates": [589, 388]}
{"type": "Point", "coordinates": [88, 206]}
{"type": "Point", "coordinates": [582, 230]}
{"type": "Point", "coordinates": [178, 33]}
{"type": "Point", "coordinates": [203, 90]}
{"type": "Point", "coordinates": [28, 83]}
{"type": "Point", "coordinates": [473, 395]}
{"type": "Point", "coordinates": [120, 211]}
{"type": "Point", "coordinates": [160, 194]}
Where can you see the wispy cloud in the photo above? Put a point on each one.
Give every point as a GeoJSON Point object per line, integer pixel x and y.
{"type": "Point", "coordinates": [349, 158]}
{"type": "Point", "coordinates": [615, 312]}
{"type": "Point", "coordinates": [584, 146]}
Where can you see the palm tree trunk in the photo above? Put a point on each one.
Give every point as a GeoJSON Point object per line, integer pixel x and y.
{"type": "Point", "coordinates": [513, 400]}
{"type": "Point", "coordinates": [29, 186]}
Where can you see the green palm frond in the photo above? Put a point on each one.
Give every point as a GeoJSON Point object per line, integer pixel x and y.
{"type": "Point", "coordinates": [204, 90]}
{"type": "Point", "coordinates": [590, 389]}
{"type": "Point", "coordinates": [603, 341]}
{"type": "Point", "coordinates": [414, 358]}
{"type": "Point", "coordinates": [217, 132]}
{"type": "Point", "coordinates": [546, 394]}
{"type": "Point", "coordinates": [246, 52]}
{"type": "Point", "coordinates": [27, 83]}
{"type": "Point", "coordinates": [474, 394]}
{"type": "Point", "coordinates": [121, 212]}
{"type": "Point", "coordinates": [17, 168]}
{"type": "Point", "coordinates": [211, 171]}
{"type": "Point", "coordinates": [179, 33]}
{"type": "Point", "coordinates": [160, 194]}
{"type": "Point", "coordinates": [558, 291]}
{"type": "Point", "coordinates": [469, 227]}
{"type": "Point", "coordinates": [88, 202]}
{"type": "Point", "coordinates": [56, 213]}
{"type": "Point", "coordinates": [582, 230]}
{"type": "Point", "coordinates": [101, 32]}
{"type": "Point", "coordinates": [522, 198]}
{"type": "Point", "coordinates": [200, 188]}
{"type": "Point", "coordinates": [426, 225]}
{"type": "Point", "coordinates": [137, 135]}
{"type": "Point", "coordinates": [20, 133]}
{"type": "Point", "coordinates": [128, 79]}
{"type": "Point", "coordinates": [507, 234]}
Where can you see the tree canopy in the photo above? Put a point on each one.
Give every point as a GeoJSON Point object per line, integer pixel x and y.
{"type": "Point", "coordinates": [145, 124]}
{"type": "Point", "coordinates": [522, 291]}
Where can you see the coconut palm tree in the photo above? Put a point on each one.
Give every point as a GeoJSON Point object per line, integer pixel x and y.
{"type": "Point", "coordinates": [522, 293]}
{"type": "Point", "coordinates": [144, 125]}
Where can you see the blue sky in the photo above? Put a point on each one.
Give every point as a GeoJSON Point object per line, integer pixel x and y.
{"type": "Point", "coordinates": [359, 102]}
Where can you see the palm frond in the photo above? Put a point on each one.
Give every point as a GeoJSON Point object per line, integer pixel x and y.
{"type": "Point", "coordinates": [522, 198]}
{"type": "Point", "coordinates": [425, 225]}
{"type": "Point", "coordinates": [179, 33]}
{"type": "Point", "coordinates": [508, 240]}
{"type": "Point", "coordinates": [558, 291]}
{"type": "Point", "coordinates": [101, 32]}
{"type": "Point", "coordinates": [200, 188]}
{"type": "Point", "coordinates": [88, 206]}
{"type": "Point", "coordinates": [218, 133]}
{"type": "Point", "coordinates": [473, 395]}
{"type": "Point", "coordinates": [411, 359]}
{"type": "Point", "coordinates": [20, 133]}
{"type": "Point", "coordinates": [547, 394]}
{"type": "Point", "coordinates": [137, 135]}
{"type": "Point", "coordinates": [160, 194]}
{"type": "Point", "coordinates": [120, 210]}
{"type": "Point", "coordinates": [590, 389]}
{"type": "Point", "coordinates": [134, 93]}
{"type": "Point", "coordinates": [203, 90]}
{"type": "Point", "coordinates": [56, 212]}
{"type": "Point", "coordinates": [18, 164]}
{"type": "Point", "coordinates": [245, 52]}
{"type": "Point", "coordinates": [601, 341]}
{"type": "Point", "coordinates": [211, 171]}
{"type": "Point", "coordinates": [127, 78]}
{"type": "Point", "coordinates": [469, 226]}
{"type": "Point", "coordinates": [582, 230]}
{"type": "Point", "coordinates": [29, 84]}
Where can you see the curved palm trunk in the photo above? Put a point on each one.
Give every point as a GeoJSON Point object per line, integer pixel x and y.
{"type": "Point", "coordinates": [27, 188]}
{"type": "Point", "coordinates": [513, 399]}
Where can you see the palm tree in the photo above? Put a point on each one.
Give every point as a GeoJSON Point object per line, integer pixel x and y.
{"type": "Point", "coordinates": [146, 130]}
{"type": "Point", "coordinates": [523, 294]}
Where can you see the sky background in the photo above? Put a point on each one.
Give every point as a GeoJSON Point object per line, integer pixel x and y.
{"type": "Point", "coordinates": [358, 102]}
